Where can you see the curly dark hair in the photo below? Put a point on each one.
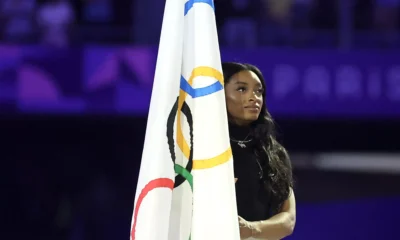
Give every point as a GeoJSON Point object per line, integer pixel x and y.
{"type": "Point", "coordinates": [275, 160]}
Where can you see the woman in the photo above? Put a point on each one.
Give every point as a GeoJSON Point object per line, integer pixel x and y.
{"type": "Point", "coordinates": [265, 199]}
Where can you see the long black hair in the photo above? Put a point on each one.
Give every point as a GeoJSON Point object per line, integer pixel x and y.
{"type": "Point", "coordinates": [273, 156]}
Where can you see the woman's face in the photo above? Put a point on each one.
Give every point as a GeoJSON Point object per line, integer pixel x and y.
{"type": "Point", "coordinates": [244, 99]}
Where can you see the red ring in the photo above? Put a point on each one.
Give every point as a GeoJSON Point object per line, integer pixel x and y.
{"type": "Point", "coordinates": [153, 184]}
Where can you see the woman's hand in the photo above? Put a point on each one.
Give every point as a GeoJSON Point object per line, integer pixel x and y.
{"type": "Point", "coordinates": [246, 228]}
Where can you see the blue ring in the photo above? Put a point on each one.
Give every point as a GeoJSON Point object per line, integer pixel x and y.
{"type": "Point", "coordinates": [189, 4]}
{"type": "Point", "coordinates": [200, 92]}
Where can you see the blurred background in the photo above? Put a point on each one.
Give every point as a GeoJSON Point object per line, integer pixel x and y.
{"type": "Point", "coordinates": [75, 85]}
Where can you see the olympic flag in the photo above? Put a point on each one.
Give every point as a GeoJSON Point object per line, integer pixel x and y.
{"type": "Point", "coordinates": [186, 186]}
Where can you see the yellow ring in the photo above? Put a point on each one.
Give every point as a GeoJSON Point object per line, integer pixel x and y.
{"type": "Point", "coordinates": [181, 141]}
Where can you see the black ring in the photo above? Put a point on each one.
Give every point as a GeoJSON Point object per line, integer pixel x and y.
{"type": "Point", "coordinates": [179, 179]}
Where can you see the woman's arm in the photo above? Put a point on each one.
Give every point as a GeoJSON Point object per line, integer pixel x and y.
{"type": "Point", "coordinates": [279, 226]}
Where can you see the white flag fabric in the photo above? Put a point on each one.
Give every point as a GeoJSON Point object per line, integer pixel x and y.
{"type": "Point", "coordinates": [186, 185]}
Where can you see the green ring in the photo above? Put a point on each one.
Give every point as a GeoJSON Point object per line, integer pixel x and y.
{"type": "Point", "coordinates": [188, 176]}
{"type": "Point", "coordinates": [184, 173]}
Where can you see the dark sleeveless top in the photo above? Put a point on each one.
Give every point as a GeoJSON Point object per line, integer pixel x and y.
{"type": "Point", "coordinates": [253, 201]}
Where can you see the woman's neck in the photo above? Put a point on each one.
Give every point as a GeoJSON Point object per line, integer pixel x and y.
{"type": "Point", "coordinates": [239, 132]}
{"type": "Point", "coordinates": [241, 123]}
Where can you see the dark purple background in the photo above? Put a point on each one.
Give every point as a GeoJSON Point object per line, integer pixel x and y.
{"type": "Point", "coordinates": [118, 80]}
{"type": "Point", "coordinates": [71, 174]}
